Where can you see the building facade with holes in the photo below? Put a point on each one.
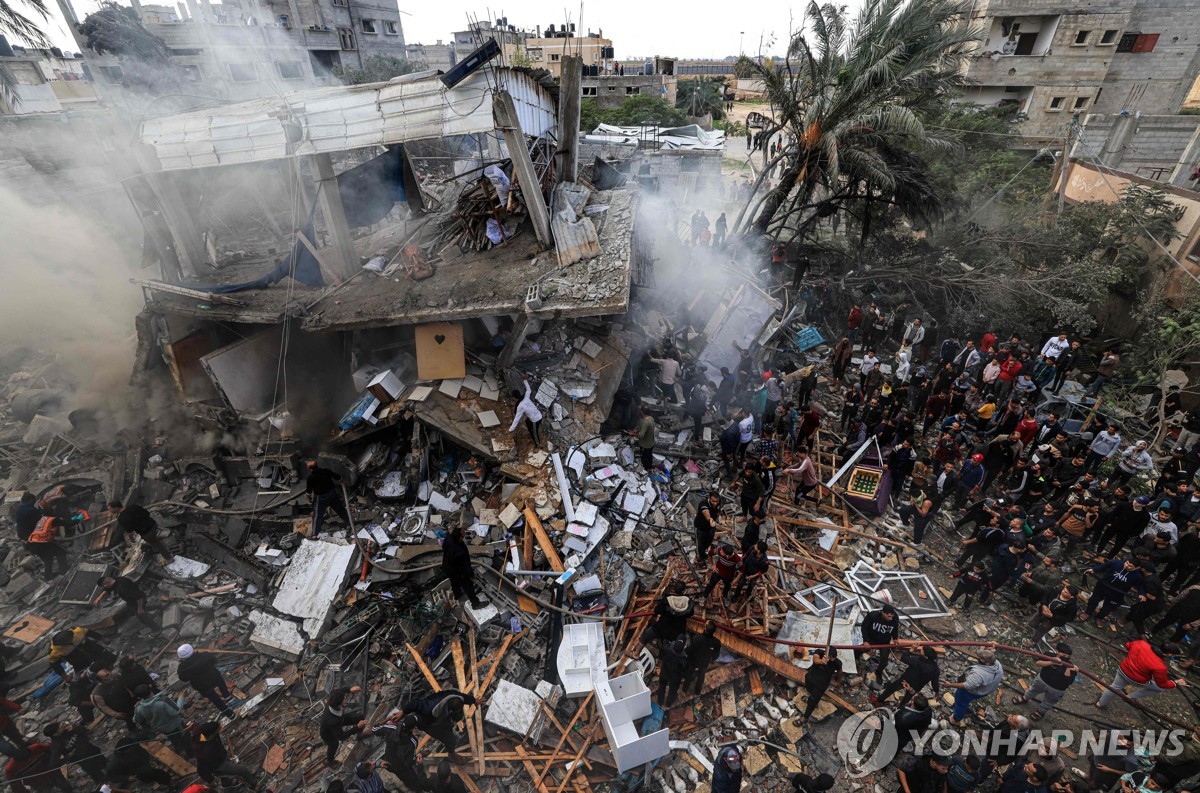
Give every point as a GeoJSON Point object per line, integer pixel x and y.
{"type": "Point", "coordinates": [243, 49]}
{"type": "Point", "coordinates": [1048, 61]}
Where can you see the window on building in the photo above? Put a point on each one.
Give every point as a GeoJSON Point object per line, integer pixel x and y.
{"type": "Point", "coordinates": [1109, 37]}
{"type": "Point", "coordinates": [534, 53]}
{"type": "Point", "coordinates": [555, 57]}
{"type": "Point", "coordinates": [1145, 42]}
{"type": "Point", "coordinates": [346, 39]}
{"type": "Point", "coordinates": [368, 26]}
{"type": "Point", "coordinates": [391, 28]}
{"type": "Point", "coordinates": [187, 51]}
{"type": "Point", "coordinates": [339, 3]}
{"type": "Point", "coordinates": [323, 61]}
{"type": "Point", "coordinates": [631, 90]}
{"type": "Point", "coordinates": [1057, 102]}
{"type": "Point", "coordinates": [243, 72]}
{"type": "Point", "coordinates": [290, 70]}
{"type": "Point", "coordinates": [112, 73]}
{"type": "Point", "coordinates": [190, 73]}
{"type": "Point", "coordinates": [1081, 102]}
{"type": "Point", "coordinates": [590, 90]}
{"type": "Point", "coordinates": [1081, 37]}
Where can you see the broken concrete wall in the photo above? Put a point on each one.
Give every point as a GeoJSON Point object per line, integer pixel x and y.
{"type": "Point", "coordinates": [315, 578]}
{"type": "Point", "coordinates": [246, 372]}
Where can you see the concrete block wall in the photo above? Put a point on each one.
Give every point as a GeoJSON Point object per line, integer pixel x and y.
{"type": "Point", "coordinates": [1161, 148]}
{"type": "Point", "coordinates": [1155, 82]}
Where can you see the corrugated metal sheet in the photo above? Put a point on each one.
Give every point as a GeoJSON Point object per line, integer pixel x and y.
{"type": "Point", "coordinates": [413, 107]}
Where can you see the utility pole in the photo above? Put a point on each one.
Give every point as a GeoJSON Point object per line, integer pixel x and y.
{"type": "Point", "coordinates": [1066, 162]}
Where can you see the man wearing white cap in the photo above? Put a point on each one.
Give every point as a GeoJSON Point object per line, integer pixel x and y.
{"type": "Point", "coordinates": [199, 670]}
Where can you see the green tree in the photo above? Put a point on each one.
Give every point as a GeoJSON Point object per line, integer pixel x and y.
{"type": "Point", "coordinates": [377, 69]}
{"type": "Point", "coordinates": [116, 30]}
{"type": "Point", "coordinates": [634, 111]}
{"type": "Point", "coordinates": [700, 96]}
{"type": "Point", "coordinates": [20, 26]}
{"type": "Point", "coordinates": [848, 97]}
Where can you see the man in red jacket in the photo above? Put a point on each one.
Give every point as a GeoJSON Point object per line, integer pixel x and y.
{"type": "Point", "coordinates": [35, 772]}
{"type": "Point", "coordinates": [1143, 668]}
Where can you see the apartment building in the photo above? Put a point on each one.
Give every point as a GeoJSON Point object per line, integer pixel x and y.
{"type": "Point", "coordinates": [1049, 61]}
{"type": "Point", "coordinates": [547, 50]}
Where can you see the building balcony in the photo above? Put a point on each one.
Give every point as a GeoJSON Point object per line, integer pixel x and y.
{"type": "Point", "coordinates": [1036, 69]}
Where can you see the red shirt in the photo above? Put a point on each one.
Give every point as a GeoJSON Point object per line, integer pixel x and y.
{"type": "Point", "coordinates": [32, 773]}
{"type": "Point", "coordinates": [1026, 428]}
{"type": "Point", "coordinates": [855, 318]}
{"type": "Point", "coordinates": [987, 343]}
{"type": "Point", "coordinates": [1142, 664]}
{"type": "Point", "coordinates": [1010, 369]}
{"type": "Point", "coordinates": [726, 567]}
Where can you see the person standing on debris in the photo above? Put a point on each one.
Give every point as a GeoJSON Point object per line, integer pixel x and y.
{"type": "Point", "coordinates": [803, 783]}
{"type": "Point", "coordinates": [42, 544]}
{"type": "Point", "coordinates": [726, 562]}
{"type": "Point", "coordinates": [437, 714]}
{"type": "Point", "coordinates": [754, 566]}
{"type": "Point", "coordinates": [1056, 610]}
{"type": "Point", "coordinates": [400, 750]}
{"type": "Point", "coordinates": [78, 649]}
{"type": "Point", "coordinates": [456, 565]}
{"type": "Point", "coordinates": [130, 761]}
{"type": "Point", "coordinates": [672, 613]}
{"type": "Point", "coordinates": [727, 771]}
{"type": "Point", "coordinates": [1144, 668]}
{"type": "Point", "coordinates": [136, 519]}
{"type": "Point", "coordinates": [212, 756]}
{"type": "Point", "coordinates": [913, 720]}
{"type": "Point", "coordinates": [980, 680]}
{"type": "Point", "coordinates": [446, 781]}
{"type": "Point", "coordinates": [697, 406]}
{"type": "Point", "coordinates": [702, 650]}
{"type": "Point", "coordinates": [324, 492]}
{"type": "Point", "coordinates": [367, 779]}
{"type": "Point", "coordinates": [1105, 370]}
{"type": "Point", "coordinates": [668, 375]}
{"type": "Point", "coordinates": [881, 627]}
{"type": "Point", "coordinates": [336, 719]}
{"type": "Point", "coordinates": [157, 714]}
{"type": "Point", "coordinates": [26, 516]}
{"type": "Point", "coordinates": [971, 581]}
{"type": "Point", "coordinates": [134, 603]}
{"type": "Point", "coordinates": [706, 523]}
{"type": "Point", "coordinates": [750, 487]}
{"type": "Point", "coordinates": [673, 666]}
{"type": "Point", "coordinates": [804, 475]}
{"type": "Point", "coordinates": [753, 531]}
{"type": "Point", "coordinates": [1051, 683]}
{"type": "Point", "coordinates": [826, 668]}
{"type": "Point", "coordinates": [70, 743]}
{"type": "Point", "coordinates": [722, 227]}
{"type": "Point", "coordinates": [645, 434]}
{"type": "Point", "coordinates": [922, 670]}
{"type": "Point", "coordinates": [111, 698]}
{"type": "Point", "coordinates": [527, 409]}
{"type": "Point", "coordinates": [199, 670]}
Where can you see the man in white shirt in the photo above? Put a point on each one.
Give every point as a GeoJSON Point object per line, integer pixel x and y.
{"type": "Point", "coordinates": [528, 410]}
{"type": "Point", "coordinates": [668, 373]}
{"type": "Point", "coordinates": [1134, 461]}
{"type": "Point", "coordinates": [1161, 522]}
{"type": "Point", "coordinates": [868, 363]}
{"type": "Point", "coordinates": [745, 435]}
{"type": "Point", "coordinates": [1053, 348]}
{"type": "Point", "coordinates": [914, 334]}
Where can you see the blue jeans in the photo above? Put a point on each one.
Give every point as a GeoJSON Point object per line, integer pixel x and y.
{"type": "Point", "coordinates": [962, 701]}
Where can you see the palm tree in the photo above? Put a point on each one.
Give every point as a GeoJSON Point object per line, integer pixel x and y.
{"type": "Point", "coordinates": [848, 99]}
{"type": "Point", "coordinates": [22, 27]}
{"type": "Point", "coordinates": [700, 96]}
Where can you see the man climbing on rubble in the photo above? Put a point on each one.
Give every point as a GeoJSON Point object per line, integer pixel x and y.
{"type": "Point", "coordinates": [136, 519]}
{"type": "Point", "coordinates": [672, 668]}
{"type": "Point", "coordinates": [645, 434]}
{"type": "Point", "coordinates": [727, 771]}
{"type": "Point", "coordinates": [1145, 669]}
{"type": "Point", "coordinates": [400, 750]}
{"type": "Point", "coordinates": [456, 565]}
{"type": "Point", "coordinates": [980, 680]}
{"type": "Point", "coordinates": [825, 670]}
{"type": "Point", "coordinates": [77, 648]}
{"type": "Point", "coordinates": [35, 772]}
{"type": "Point", "coordinates": [754, 566]}
{"type": "Point", "coordinates": [43, 544]}
{"type": "Point", "coordinates": [726, 562]}
{"type": "Point", "coordinates": [706, 523]}
{"type": "Point", "coordinates": [921, 670]}
{"type": "Point", "coordinates": [212, 756]}
{"type": "Point", "coordinates": [70, 743]}
{"type": "Point", "coordinates": [447, 782]}
{"type": "Point", "coordinates": [26, 516]}
{"type": "Point", "coordinates": [324, 491]}
{"type": "Point", "coordinates": [155, 713]}
{"type": "Point", "coordinates": [672, 613]}
{"type": "Point", "coordinates": [199, 670]}
{"type": "Point", "coordinates": [437, 714]}
{"type": "Point", "coordinates": [111, 698]}
{"type": "Point", "coordinates": [702, 650]}
{"type": "Point", "coordinates": [527, 409]}
{"type": "Point", "coordinates": [130, 761]}
{"type": "Point", "coordinates": [337, 723]}
{"type": "Point", "coordinates": [134, 603]}
{"type": "Point", "coordinates": [881, 627]}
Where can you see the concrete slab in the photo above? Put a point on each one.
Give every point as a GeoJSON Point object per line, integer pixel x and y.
{"type": "Point", "coordinates": [315, 577]}
{"type": "Point", "coordinates": [276, 637]}
{"type": "Point", "coordinates": [518, 710]}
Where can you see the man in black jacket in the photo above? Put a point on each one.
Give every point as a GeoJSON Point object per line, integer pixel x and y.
{"type": "Point", "coordinates": [708, 518]}
{"type": "Point", "coordinates": [922, 670]}
{"type": "Point", "coordinates": [912, 721]}
{"type": "Point", "coordinates": [456, 564]}
{"type": "Point", "coordinates": [71, 743]}
{"type": "Point", "coordinates": [136, 519]}
{"type": "Point", "coordinates": [754, 566]}
{"type": "Point", "coordinates": [881, 626]}
{"type": "Point", "coordinates": [199, 670]}
{"type": "Point", "coordinates": [212, 757]}
{"type": "Point", "coordinates": [400, 750]}
{"type": "Point", "coordinates": [335, 721]}
{"type": "Point", "coordinates": [943, 486]}
{"type": "Point", "coordinates": [674, 664]}
{"type": "Point", "coordinates": [672, 613]}
{"type": "Point", "coordinates": [438, 713]}
{"type": "Point", "coordinates": [133, 598]}
{"type": "Point", "coordinates": [1056, 610]}
{"type": "Point", "coordinates": [701, 652]}
{"type": "Point", "coordinates": [1067, 360]}
{"type": "Point", "coordinates": [129, 760]}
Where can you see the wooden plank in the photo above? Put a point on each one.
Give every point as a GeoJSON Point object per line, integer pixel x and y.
{"type": "Point", "coordinates": [574, 765]}
{"type": "Point", "coordinates": [468, 783]}
{"type": "Point", "coordinates": [527, 604]}
{"type": "Point", "coordinates": [539, 531]}
{"type": "Point", "coordinates": [756, 686]}
{"type": "Point", "coordinates": [167, 757]}
{"type": "Point", "coordinates": [481, 690]}
{"type": "Point", "coordinates": [565, 733]}
{"type": "Point", "coordinates": [728, 702]}
{"type": "Point", "coordinates": [478, 715]}
{"type": "Point", "coordinates": [766, 658]}
{"type": "Point", "coordinates": [460, 675]}
{"type": "Point", "coordinates": [424, 669]}
{"type": "Point", "coordinates": [533, 774]}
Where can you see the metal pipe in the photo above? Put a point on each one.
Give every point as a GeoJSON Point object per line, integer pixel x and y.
{"type": "Point", "coordinates": [564, 487]}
